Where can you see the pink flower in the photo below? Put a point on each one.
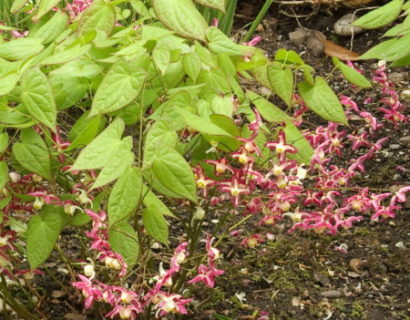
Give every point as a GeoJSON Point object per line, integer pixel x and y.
{"type": "Point", "coordinates": [399, 196]}
{"type": "Point", "coordinates": [281, 147]}
{"type": "Point", "coordinates": [170, 303]}
{"type": "Point", "coordinates": [220, 166]}
{"type": "Point", "coordinates": [235, 189]}
{"type": "Point", "coordinates": [207, 275]}
{"type": "Point", "coordinates": [90, 292]}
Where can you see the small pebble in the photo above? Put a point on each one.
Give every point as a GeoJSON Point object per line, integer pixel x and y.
{"type": "Point", "coordinates": [394, 146]}
{"type": "Point", "coordinates": [344, 27]}
{"type": "Point", "coordinates": [405, 140]}
{"type": "Point", "coordinates": [331, 294]}
{"type": "Point", "coordinates": [396, 77]}
{"type": "Point", "coordinates": [400, 245]}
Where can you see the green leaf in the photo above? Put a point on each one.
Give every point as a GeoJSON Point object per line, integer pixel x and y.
{"type": "Point", "coordinates": [8, 81]}
{"type": "Point", "coordinates": [151, 200]}
{"type": "Point", "coordinates": [268, 110]}
{"type": "Point", "coordinates": [84, 131]}
{"type": "Point", "coordinates": [321, 99]}
{"type": "Point", "coordinates": [117, 164]}
{"type": "Point", "coordinates": [4, 142]}
{"type": "Point", "coordinates": [159, 135]}
{"type": "Point", "coordinates": [296, 138]}
{"type": "Point", "coordinates": [99, 17]}
{"type": "Point", "coordinates": [215, 4]}
{"type": "Point", "coordinates": [68, 90]}
{"type": "Point", "coordinates": [400, 29]}
{"type": "Point", "coordinates": [351, 74]}
{"type": "Point", "coordinates": [223, 106]}
{"type": "Point", "coordinates": [32, 154]}
{"type": "Point", "coordinates": [192, 65]}
{"type": "Point", "coordinates": [17, 5]}
{"type": "Point", "coordinates": [18, 49]}
{"type": "Point", "coordinates": [220, 43]}
{"type": "Point", "coordinates": [4, 174]}
{"type": "Point", "coordinates": [282, 82]}
{"type": "Point", "coordinates": [123, 240]}
{"type": "Point", "coordinates": [37, 97]}
{"type": "Point", "coordinates": [42, 234]}
{"type": "Point", "coordinates": [155, 224]}
{"type": "Point", "coordinates": [174, 172]}
{"type": "Point", "coordinates": [389, 50]}
{"type": "Point", "coordinates": [50, 30]}
{"type": "Point", "coordinates": [44, 6]}
{"type": "Point", "coordinates": [66, 55]}
{"type": "Point", "coordinates": [381, 16]}
{"type": "Point", "coordinates": [225, 122]}
{"type": "Point", "coordinates": [162, 58]}
{"type": "Point", "coordinates": [125, 195]}
{"type": "Point", "coordinates": [120, 86]}
{"type": "Point", "coordinates": [182, 17]}
{"type": "Point", "coordinates": [101, 149]}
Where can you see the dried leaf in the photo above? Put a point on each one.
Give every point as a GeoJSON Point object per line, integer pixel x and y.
{"type": "Point", "coordinates": [334, 50]}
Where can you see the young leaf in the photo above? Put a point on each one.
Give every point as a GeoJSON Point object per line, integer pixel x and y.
{"type": "Point", "coordinates": [4, 174]}
{"type": "Point", "coordinates": [381, 16]}
{"type": "Point", "coordinates": [84, 131]}
{"type": "Point", "coordinates": [120, 86]}
{"type": "Point", "coordinates": [101, 149]}
{"type": "Point", "coordinates": [296, 138]}
{"type": "Point", "coordinates": [172, 170]}
{"type": "Point", "coordinates": [99, 17]}
{"type": "Point", "coordinates": [50, 31]}
{"type": "Point", "coordinates": [321, 99]}
{"type": "Point", "coordinates": [192, 65]}
{"type": "Point", "coordinates": [123, 239]}
{"type": "Point", "coordinates": [37, 97]}
{"type": "Point", "coordinates": [182, 17]}
{"type": "Point", "coordinates": [268, 110]}
{"type": "Point", "coordinates": [162, 58]}
{"type": "Point", "coordinates": [33, 155]}
{"type": "Point", "coordinates": [155, 224]}
{"type": "Point", "coordinates": [160, 134]}
{"type": "Point", "coordinates": [66, 55]}
{"type": "Point", "coordinates": [125, 195]}
{"type": "Point", "coordinates": [22, 48]}
{"type": "Point", "coordinates": [17, 5]}
{"type": "Point", "coordinates": [351, 74]}
{"type": "Point", "coordinates": [220, 43]}
{"type": "Point", "coordinates": [215, 4]}
{"type": "Point", "coordinates": [117, 164]}
{"type": "Point", "coordinates": [282, 82]}
{"type": "Point", "coordinates": [44, 6]}
{"type": "Point", "coordinates": [4, 141]}
{"type": "Point", "coordinates": [389, 50]}
{"type": "Point", "coordinates": [151, 200]}
{"type": "Point", "coordinates": [42, 234]}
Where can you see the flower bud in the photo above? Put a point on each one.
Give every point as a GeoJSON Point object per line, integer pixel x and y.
{"type": "Point", "coordinates": [37, 178]}
{"type": "Point", "coordinates": [199, 213]}
{"type": "Point", "coordinates": [38, 204]}
{"type": "Point", "coordinates": [112, 263]}
{"type": "Point", "coordinates": [89, 270]}
{"type": "Point", "coordinates": [14, 176]}
{"type": "Point", "coordinates": [125, 313]}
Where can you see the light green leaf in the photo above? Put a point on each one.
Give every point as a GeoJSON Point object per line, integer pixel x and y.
{"type": "Point", "coordinates": [4, 142]}
{"type": "Point", "coordinates": [400, 29]}
{"type": "Point", "coordinates": [120, 86]}
{"type": "Point", "coordinates": [381, 16]}
{"type": "Point", "coordinates": [45, 6]}
{"type": "Point", "coordinates": [117, 164]}
{"type": "Point", "coordinates": [282, 82]}
{"type": "Point", "coordinates": [151, 200]}
{"type": "Point", "coordinates": [182, 17]}
{"type": "Point", "coordinates": [192, 65]}
{"type": "Point", "coordinates": [216, 4]}
{"type": "Point", "coordinates": [32, 154]}
{"type": "Point", "coordinates": [22, 48]}
{"type": "Point", "coordinates": [8, 81]}
{"type": "Point", "coordinates": [389, 50]}
{"type": "Point", "coordinates": [159, 135]}
{"type": "Point", "coordinates": [84, 131]}
{"type": "Point", "coordinates": [155, 224]}
{"type": "Point", "coordinates": [42, 234]}
{"type": "Point", "coordinates": [162, 58]}
{"type": "Point", "coordinates": [101, 149]}
{"type": "Point", "coordinates": [50, 31]}
{"type": "Point", "coordinates": [220, 43]}
{"type": "Point", "coordinates": [124, 240]}
{"type": "Point", "coordinates": [222, 105]}
{"type": "Point", "coordinates": [99, 17]}
{"type": "Point", "coordinates": [174, 172]}
{"type": "Point", "coordinates": [321, 99]}
{"type": "Point", "coordinates": [296, 138]}
{"type": "Point", "coordinates": [4, 174]}
{"type": "Point", "coordinates": [125, 195]}
{"type": "Point", "coordinates": [66, 55]}
{"type": "Point", "coordinates": [68, 90]}
{"type": "Point", "coordinates": [351, 74]}
{"type": "Point", "coordinates": [268, 110]}
{"type": "Point", "coordinates": [37, 97]}
{"type": "Point", "coordinates": [17, 5]}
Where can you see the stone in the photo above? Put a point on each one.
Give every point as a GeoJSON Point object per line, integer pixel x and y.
{"type": "Point", "coordinates": [405, 140]}
{"type": "Point", "coordinates": [344, 27]}
{"type": "Point", "coordinates": [298, 36]}
{"type": "Point", "coordinates": [396, 77]}
{"type": "Point", "coordinates": [315, 46]}
{"type": "Point", "coordinates": [331, 294]}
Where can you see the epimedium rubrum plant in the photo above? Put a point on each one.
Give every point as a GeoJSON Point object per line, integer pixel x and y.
{"type": "Point", "coordinates": [122, 117]}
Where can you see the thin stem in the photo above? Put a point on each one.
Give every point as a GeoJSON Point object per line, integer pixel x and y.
{"type": "Point", "coordinates": [262, 13]}
{"type": "Point", "coordinates": [63, 257]}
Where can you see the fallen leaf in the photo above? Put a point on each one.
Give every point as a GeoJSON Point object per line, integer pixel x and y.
{"type": "Point", "coordinates": [355, 265]}
{"type": "Point", "coordinates": [334, 50]}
